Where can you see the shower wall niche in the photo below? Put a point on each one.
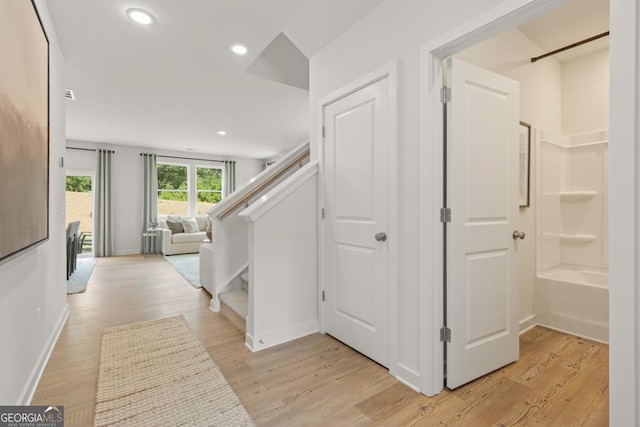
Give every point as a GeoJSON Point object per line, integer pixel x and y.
{"type": "Point", "coordinates": [572, 273]}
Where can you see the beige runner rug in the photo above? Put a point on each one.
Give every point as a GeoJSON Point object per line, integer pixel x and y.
{"type": "Point", "coordinates": [158, 374]}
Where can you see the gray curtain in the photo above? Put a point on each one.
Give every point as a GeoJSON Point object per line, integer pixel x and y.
{"type": "Point", "coordinates": [228, 178]}
{"type": "Point", "coordinates": [103, 208]}
{"type": "Point", "coordinates": [149, 196]}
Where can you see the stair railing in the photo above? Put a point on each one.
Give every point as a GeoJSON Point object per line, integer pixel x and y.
{"type": "Point", "coordinates": [245, 196]}
{"type": "Point", "coordinates": [230, 233]}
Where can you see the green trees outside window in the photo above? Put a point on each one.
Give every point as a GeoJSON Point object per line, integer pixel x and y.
{"type": "Point", "coordinates": [175, 197]}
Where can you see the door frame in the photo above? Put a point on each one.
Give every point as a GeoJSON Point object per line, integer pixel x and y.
{"type": "Point", "coordinates": [431, 180]}
{"type": "Point", "coordinates": [390, 72]}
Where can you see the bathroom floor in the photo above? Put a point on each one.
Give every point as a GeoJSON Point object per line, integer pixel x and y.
{"type": "Point", "coordinates": [560, 379]}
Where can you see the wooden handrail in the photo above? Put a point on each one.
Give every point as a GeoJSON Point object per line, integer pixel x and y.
{"type": "Point", "coordinates": [264, 184]}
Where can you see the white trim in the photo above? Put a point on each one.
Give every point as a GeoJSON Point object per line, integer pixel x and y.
{"type": "Point", "coordinates": [408, 384]}
{"type": "Point", "coordinates": [528, 323]}
{"type": "Point", "coordinates": [241, 192]}
{"type": "Point", "coordinates": [624, 214]}
{"type": "Point", "coordinates": [128, 252]}
{"type": "Point", "coordinates": [268, 201]}
{"type": "Point", "coordinates": [278, 337]}
{"type": "Point", "coordinates": [389, 71]}
{"type": "Point", "coordinates": [504, 16]}
{"type": "Point", "coordinates": [36, 373]}
{"type": "Point", "coordinates": [574, 333]}
{"type": "Point", "coordinates": [214, 305]}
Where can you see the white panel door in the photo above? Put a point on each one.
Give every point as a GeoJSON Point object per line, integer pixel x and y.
{"type": "Point", "coordinates": [482, 192]}
{"type": "Point", "coordinates": [356, 141]}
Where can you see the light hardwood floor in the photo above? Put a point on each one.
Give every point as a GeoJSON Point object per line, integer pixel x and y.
{"type": "Point", "coordinates": [317, 381]}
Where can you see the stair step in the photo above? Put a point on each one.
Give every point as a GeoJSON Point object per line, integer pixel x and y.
{"type": "Point", "coordinates": [238, 301]}
{"type": "Point", "coordinates": [234, 305]}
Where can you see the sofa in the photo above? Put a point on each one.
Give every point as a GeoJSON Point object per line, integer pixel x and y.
{"type": "Point", "coordinates": [183, 235]}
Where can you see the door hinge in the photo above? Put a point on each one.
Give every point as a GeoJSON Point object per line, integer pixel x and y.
{"type": "Point", "coordinates": [445, 94]}
{"type": "Point", "coordinates": [445, 334]}
{"type": "Point", "coordinates": [323, 131]}
{"type": "Point", "coordinates": [445, 215]}
{"type": "Point", "coordinates": [322, 295]}
{"type": "Point", "coordinates": [322, 213]}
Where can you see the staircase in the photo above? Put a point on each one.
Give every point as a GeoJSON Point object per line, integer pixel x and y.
{"type": "Point", "coordinates": [268, 216]}
{"type": "Point", "coordinates": [234, 304]}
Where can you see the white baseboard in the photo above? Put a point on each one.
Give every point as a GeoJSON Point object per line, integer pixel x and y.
{"type": "Point", "coordinates": [594, 333]}
{"type": "Point", "coordinates": [127, 252]}
{"type": "Point", "coordinates": [409, 384]}
{"type": "Point", "coordinates": [279, 337]}
{"type": "Point", "coordinates": [214, 305]}
{"type": "Point", "coordinates": [36, 373]}
{"type": "Point", "coordinates": [528, 323]}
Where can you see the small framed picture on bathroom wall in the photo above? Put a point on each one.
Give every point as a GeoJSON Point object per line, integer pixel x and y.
{"type": "Point", "coordinates": [525, 162]}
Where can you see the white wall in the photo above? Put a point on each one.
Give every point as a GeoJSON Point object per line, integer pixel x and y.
{"type": "Point", "coordinates": [36, 279]}
{"type": "Point", "coordinates": [624, 215]}
{"type": "Point", "coordinates": [127, 184]}
{"type": "Point", "coordinates": [394, 31]}
{"type": "Point", "coordinates": [509, 54]}
{"type": "Point", "coordinates": [585, 93]}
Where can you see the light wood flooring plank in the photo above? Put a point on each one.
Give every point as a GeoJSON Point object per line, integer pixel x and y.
{"type": "Point", "coordinates": [316, 380]}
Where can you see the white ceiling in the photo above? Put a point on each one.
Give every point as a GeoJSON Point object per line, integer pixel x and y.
{"type": "Point", "coordinates": [569, 23]}
{"type": "Point", "coordinates": [174, 84]}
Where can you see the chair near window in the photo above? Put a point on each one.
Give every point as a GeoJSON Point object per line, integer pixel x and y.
{"type": "Point", "coordinates": [72, 246]}
{"type": "Point", "coordinates": [85, 241]}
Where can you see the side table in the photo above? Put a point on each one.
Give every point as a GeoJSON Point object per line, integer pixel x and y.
{"type": "Point", "coordinates": [150, 243]}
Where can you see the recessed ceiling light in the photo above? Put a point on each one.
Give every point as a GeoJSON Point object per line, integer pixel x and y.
{"type": "Point", "coordinates": [239, 48]}
{"type": "Point", "coordinates": [222, 132]}
{"type": "Point", "coordinates": [141, 16]}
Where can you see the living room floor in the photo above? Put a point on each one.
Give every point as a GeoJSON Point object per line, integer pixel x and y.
{"type": "Point", "coordinates": [316, 380]}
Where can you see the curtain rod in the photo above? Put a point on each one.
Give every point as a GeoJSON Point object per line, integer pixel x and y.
{"type": "Point", "coordinates": [87, 149]}
{"type": "Point", "coordinates": [571, 46]}
{"type": "Point", "coordinates": [190, 158]}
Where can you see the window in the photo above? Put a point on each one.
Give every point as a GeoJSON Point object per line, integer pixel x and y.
{"type": "Point", "coordinates": [187, 189]}
{"type": "Point", "coordinates": [79, 204]}
{"type": "Point", "coordinates": [173, 190]}
{"type": "Point", "coordinates": [209, 188]}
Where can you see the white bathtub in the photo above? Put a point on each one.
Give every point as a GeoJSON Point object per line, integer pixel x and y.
{"type": "Point", "coordinates": [574, 301]}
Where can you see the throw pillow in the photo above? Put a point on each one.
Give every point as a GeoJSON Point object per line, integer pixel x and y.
{"type": "Point", "coordinates": [190, 225]}
{"type": "Point", "coordinates": [175, 226]}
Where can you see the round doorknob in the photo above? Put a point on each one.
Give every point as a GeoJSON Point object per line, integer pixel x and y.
{"type": "Point", "coordinates": [518, 235]}
{"type": "Point", "coordinates": [381, 237]}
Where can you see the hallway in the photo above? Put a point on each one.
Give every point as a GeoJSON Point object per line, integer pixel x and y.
{"type": "Point", "coordinates": [316, 380]}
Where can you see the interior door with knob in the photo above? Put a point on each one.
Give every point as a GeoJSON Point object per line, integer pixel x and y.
{"type": "Point", "coordinates": [356, 253]}
{"type": "Point", "coordinates": [482, 237]}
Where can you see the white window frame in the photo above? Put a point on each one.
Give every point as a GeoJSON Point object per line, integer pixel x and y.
{"type": "Point", "coordinates": [179, 164]}
{"type": "Point", "coordinates": [195, 181]}
{"type": "Point", "coordinates": [192, 182]}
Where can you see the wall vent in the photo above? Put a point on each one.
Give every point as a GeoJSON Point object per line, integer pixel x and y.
{"type": "Point", "coordinates": [68, 94]}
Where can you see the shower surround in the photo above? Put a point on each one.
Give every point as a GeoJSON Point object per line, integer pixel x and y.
{"type": "Point", "coordinates": [572, 285]}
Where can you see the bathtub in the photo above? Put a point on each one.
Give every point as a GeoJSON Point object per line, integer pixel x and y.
{"type": "Point", "coordinates": [574, 301]}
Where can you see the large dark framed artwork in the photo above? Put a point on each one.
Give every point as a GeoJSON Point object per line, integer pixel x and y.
{"type": "Point", "coordinates": [24, 129]}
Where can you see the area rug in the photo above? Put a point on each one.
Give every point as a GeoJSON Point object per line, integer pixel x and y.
{"type": "Point", "coordinates": [188, 265]}
{"type": "Point", "coordinates": [158, 374]}
{"type": "Point", "coordinates": [78, 280]}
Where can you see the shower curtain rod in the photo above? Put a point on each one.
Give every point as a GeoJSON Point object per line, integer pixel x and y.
{"type": "Point", "coordinates": [571, 46]}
